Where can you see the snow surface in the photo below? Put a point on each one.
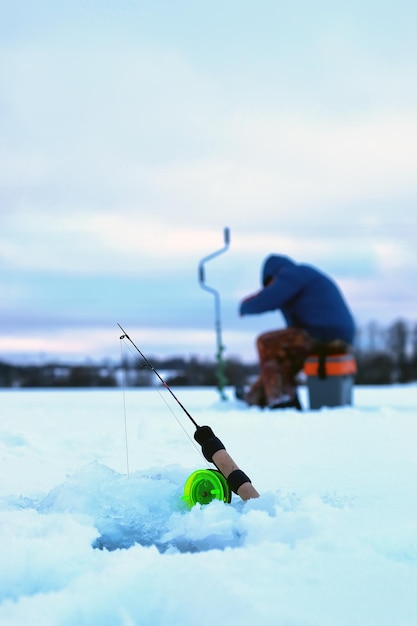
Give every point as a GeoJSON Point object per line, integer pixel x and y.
{"type": "Point", "coordinates": [332, 540]}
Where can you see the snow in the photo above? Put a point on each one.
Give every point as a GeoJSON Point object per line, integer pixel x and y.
{"type": "Point", "coordinates": [332, 540]}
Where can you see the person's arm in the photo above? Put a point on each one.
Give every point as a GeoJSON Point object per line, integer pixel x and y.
{"type": "Point", "coordinates": [276, 294]}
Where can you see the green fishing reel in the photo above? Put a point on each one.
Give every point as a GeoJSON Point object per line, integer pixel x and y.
{"type": "Point", "coordinates": [205, 485]}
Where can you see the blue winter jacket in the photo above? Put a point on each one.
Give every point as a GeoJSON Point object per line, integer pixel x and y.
{"type": "Point", "coordinates": [307, 298]}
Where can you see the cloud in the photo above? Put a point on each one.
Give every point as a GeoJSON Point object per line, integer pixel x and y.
{"type": "Point", "coordinates": [104, 342]}
{"type": "Point", "coordinates": [123, 159]}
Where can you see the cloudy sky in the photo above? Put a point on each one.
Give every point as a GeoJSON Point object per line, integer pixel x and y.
{"type": "Point", "coordinates": [134, 131]}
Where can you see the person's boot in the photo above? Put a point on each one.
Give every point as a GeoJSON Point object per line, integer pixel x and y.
{"type": "Point", "coordinates": [253, 396]}
{"type": "Point", "coordinates": [286, 402]}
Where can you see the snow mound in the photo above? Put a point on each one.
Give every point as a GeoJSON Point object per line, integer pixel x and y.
{"type": "Point", "coordinates": [147, 508]}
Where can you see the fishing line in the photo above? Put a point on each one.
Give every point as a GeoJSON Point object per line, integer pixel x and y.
{"type": "Point", "coordinates": [169, 407]}
{"type": "Point", "coordinates": [125, 335]}
{"type": "Point", "coordinates": [150, 366]}
{"type": "Point", "coordinates": [124, 408]}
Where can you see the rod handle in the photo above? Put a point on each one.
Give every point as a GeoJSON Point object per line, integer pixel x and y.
{"type": "Point", "coordinates": [226, 465]}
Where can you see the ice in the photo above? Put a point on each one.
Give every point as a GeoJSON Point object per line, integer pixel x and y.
{"type": "Point", "coordinates": [94, 529]}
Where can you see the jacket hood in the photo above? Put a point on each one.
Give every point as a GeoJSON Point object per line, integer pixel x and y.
{"type": "Point", "coordinates": [273, 264]}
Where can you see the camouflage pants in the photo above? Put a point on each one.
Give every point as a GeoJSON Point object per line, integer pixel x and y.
{"type": "Point", "coordinates": [282, 354]}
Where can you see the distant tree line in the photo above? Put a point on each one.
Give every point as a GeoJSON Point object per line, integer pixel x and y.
{"type": "Point", "coordinates": [383, 355]}
{"type": "Point", "coordinates": [176, 371]}
{"type": "Point", "coordinates": [390, 355]}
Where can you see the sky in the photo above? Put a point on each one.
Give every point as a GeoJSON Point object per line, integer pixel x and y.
{"type": "Point", "coordinates": [134, 133]}
{"type": "Point", "coordinates": [331, 540]}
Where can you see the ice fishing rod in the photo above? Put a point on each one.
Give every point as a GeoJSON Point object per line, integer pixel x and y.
{"type": "Point", "coordinates": [212, 448]}
{"type": "Point", "coordinates": [149, 364]}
